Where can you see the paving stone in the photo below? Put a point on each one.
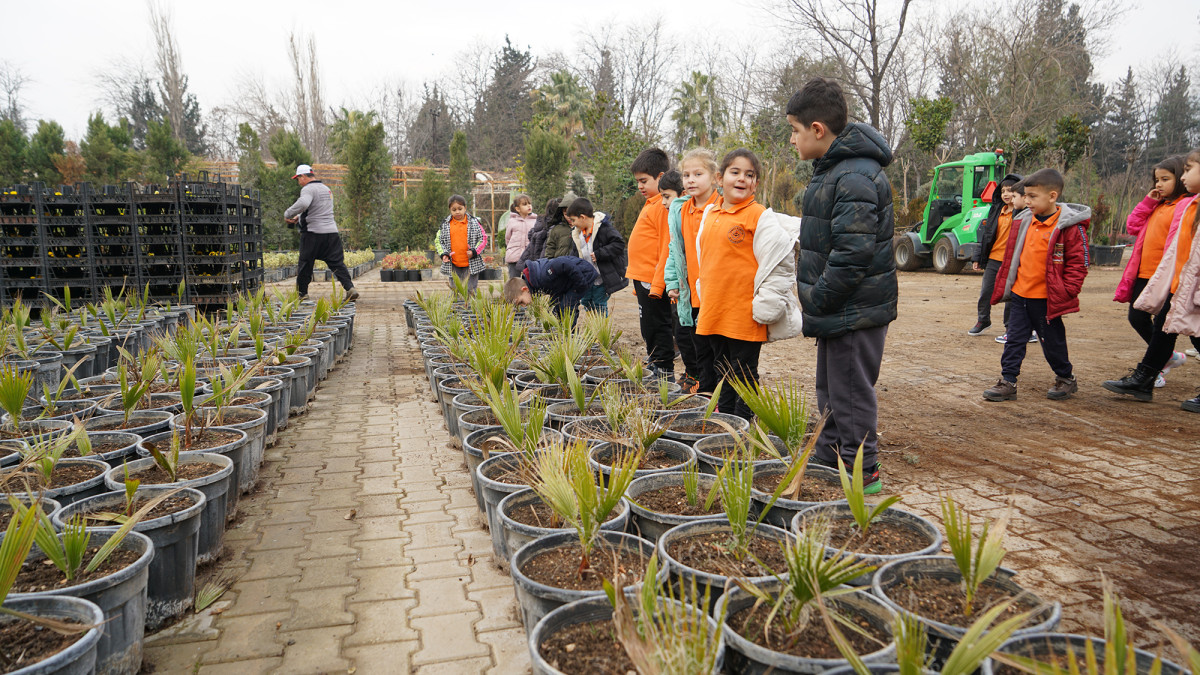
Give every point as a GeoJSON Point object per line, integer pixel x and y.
{"type": "Point", "coordinates": [447, 594]}
{"type": "Point", "coordinates": [382, 621]}
{"type": "Point", "coordinates": [381, 553]}
{"type": "Point", "coordinates": [323, 572]}
{"type": "Point", "coordinates": [382, 583]}
{"type": "Point", "coordinates": [464, 666]}
{"type": "Point", "coordinates": [261, 596]}
{"type": "Point", "coordinates": [386, 657]}
{"type": "Point", "coordinates": [319, 608]}
{"type": "Point", "coordinates": [500, 610]}
{"type": "Point", "coordinates": [274, 537]}
{"type": "Point", "coordinates": [246, 637]}
{"type": "Point", "coordinates": [249, 667]}
{"type": "Point", "coordinates": [316, 651]}
{"type": "Point", "coordinates": [273, 564]}
{"type": "Point", "coordinates": [448, 637]}
{"type": "Point", "coordinates": [510, 650]}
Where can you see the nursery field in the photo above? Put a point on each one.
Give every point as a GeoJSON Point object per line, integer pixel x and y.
{"type": "Point", "coordinates": [365, 550]}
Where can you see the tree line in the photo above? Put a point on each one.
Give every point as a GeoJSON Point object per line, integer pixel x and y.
{"type": "Point", "coordinates": [937, 86]}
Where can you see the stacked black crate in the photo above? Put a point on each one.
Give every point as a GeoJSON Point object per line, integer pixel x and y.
{"type": "Point", "coordinates": [250, 225]}
{"type": "Point", "coordinates": [22, 269]}
{"type": "Point", "coordinates": [212, 243]}
{"type": "Point", "coordinates": [113, 234]}
{"type": "Point", "coordinates": [160, 241]}
{"type": "Point", "coordinates": [66, 241]}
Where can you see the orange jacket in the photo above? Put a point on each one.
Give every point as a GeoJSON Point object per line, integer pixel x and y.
{"type": "Point", "coordinates": [648, 246]}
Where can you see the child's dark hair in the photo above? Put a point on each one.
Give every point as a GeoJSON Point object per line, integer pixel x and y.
{"type": "Point", "coordinates": [671, 180]}
{"type": "Point", "coordinates": [741, 152]}
{"type": "Point", "coordinates": [1049, 179]}
{"type": "Point", "coordinates": [820, 100]}
{"type": "Point", "coordinates": [1018, 187]}
{"type": "Point", "coordinates": [456, 199]}
{"type": "Point", "coordinates": [553, 211]}
{"type": "Point", "coordinates": [1010, 181]}
{"type": "Point", "coordinates": [1174, 166]}
{"type": "Point", "coordinates": [513, 288]}
{"type": "Point", "coordinates": [653, 162]}
{"type": "Point", "coordinates": [518, 200]}
{"type": "Point", "coordinates": [581, 207]}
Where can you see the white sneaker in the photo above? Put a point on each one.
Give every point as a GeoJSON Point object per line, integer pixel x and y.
{"type": "Point", "coordinates": [1160, 381]}
{"type": "Point", "coordinates": [1177, 359]}
{"type": "Point", "coordinates": [1033, 336]}
{"type": "Point", "coordinates": [1002, 339]}
{"type": "Point", "coordinates": [1192, 353]}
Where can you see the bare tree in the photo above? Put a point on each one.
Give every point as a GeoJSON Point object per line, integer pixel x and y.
{"type": "Point", "coordinates": [171, 80]}
{"type": "Point", "coordinates": [645, 64]}
{"type": "Point", "coordinates": [397, 106]}
{"type": "Point", "coordinates": [253, 102]}
{"type": "Point", "coordinates": [307, 106]}
{"type": "Point", "coordinates": [12, 80]}
{"type": "Point", "coordinates": [863, 39]}
{"type": "Point", "coordinates": [465, 87]}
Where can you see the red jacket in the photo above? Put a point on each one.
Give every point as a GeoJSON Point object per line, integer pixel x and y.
{"type": "Point", "coordinates": [1066, 259]}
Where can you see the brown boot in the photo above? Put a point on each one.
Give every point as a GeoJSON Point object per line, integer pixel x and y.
{"type": "Point", "coordinates": [1063, 388]}
{"type": "Point", "coordinates": [1002, 391]}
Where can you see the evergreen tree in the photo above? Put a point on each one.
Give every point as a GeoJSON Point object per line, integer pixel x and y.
{"type": "Point", "coordinates": [165, 154]}
{"type": "Point", "coordinates": [1174, 119]}
{"type": "Point", "coordinates": [250, 161]}
{"type": "Point", "coordinates": [503, 109]}
{"type": "Point", "coordinates": [70, 164]}
{"type": "Point", "coordinates": [462, 177]}
{"type": "Point", "coordinates": [107, 150]}
{"type": "Point", "coordinates": [415, 220]}
{"type": "Point", "coordinates": [358, 141]}
{"type": "Point", "coordinates": [430, 133]}
{"type": "Point", "coordinates": [194, 130]}
{"type": "Point", "coordinates": [12, 154]}
{"type": "Point", "coordinates": [46, 144]}
{"type": "Point", "coordinates": [1117, 136]}
{"type": "Point", "coordinates": [278, 190]}
{"type": "Point", "coordinates": [547, 158]}
{"type": "Point", "coordinates": [699, 114]}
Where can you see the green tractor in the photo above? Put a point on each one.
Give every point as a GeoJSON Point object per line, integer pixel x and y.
{"type": "Point", "coordinates": [959, 199]}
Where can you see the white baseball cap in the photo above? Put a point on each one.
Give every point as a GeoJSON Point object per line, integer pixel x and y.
{"type": "Point", "coordinates": [303, 170]}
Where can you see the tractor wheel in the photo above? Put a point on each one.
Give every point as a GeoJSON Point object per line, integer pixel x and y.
{"type": "Point", "coordinates": [906, 255]}
{"type": "Point", "coordinates": [944, 260]}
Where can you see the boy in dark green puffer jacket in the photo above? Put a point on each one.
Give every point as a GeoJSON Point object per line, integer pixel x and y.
{"type": "Point", "coordinates": [846, 275]}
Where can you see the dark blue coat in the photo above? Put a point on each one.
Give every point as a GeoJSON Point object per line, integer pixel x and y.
{"type": "Point", "coordinates": [559, 276]}
{"type": "Point", "coordinates": [846, 275]}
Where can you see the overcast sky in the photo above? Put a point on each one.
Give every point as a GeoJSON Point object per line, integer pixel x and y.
{"type": "Point", "coordinates": [61, 45]}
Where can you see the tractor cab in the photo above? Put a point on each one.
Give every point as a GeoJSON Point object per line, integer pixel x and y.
{"type": "Point", "coordinates": [958, 202]}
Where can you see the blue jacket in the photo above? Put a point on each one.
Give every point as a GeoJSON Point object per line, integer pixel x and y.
{"type": "Point", "coordinates": [558, 276]}
{"type": "Point", "coordinates": [675, 274]}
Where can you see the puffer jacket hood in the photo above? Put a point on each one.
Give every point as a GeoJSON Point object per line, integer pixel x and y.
{"type": "Point", "coordinates": [986, 234]}
{"type": "Point", "coordinates": [857, 140]}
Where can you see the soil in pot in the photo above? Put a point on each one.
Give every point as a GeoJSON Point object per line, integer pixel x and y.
{"type": "Point", "coordinates": [511, 475]}
{"type": "Point", "coordinates": [190, 471]}
{"type": "Point", "coordinates": [588, 647]}
{"type": "Point", "coordinates": [210, 439]}
{"type": "Point", "coordinates": [942, 600]}
{"type": "Point", "coordinates": [813, 642]}
{"type": "Point", "coordinates": [672, 499]}
{"type": "Point", "coordinates": [559, 567]}
{"type": "Point", "coordinates": [63, 475]}
{"type": "Point", "coordinates": [25, 643]}
{"type": "Point", "coordinates": [881, 538]}
{"type": "Point", "coordinates": [654, 458]}
{"type": "Point", "coordinates": [36, 576]}
{"type": "Point", "coordinates": [98, 448]}
{"type": "Point", "coordinates": [117, 425]}
{"type": "Point", "coordinates": [597, 430]}
{"type": "Point", "coordinates": [697, 427]}
{"type": "Point", "coordinates": [574, 411]}
{"type": "Point", "coordinates": [536, 514]}
{"type": "Point", "coordinates": [713, 553]}
{"type": "Point", "coordinates": [811, 490]}
{"type": "Point", "coordinates": [167, 507]}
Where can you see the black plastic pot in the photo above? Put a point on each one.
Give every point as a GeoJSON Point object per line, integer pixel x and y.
{"type": "Point", "coordinates": [650, 525]}
{"type": "Point", "coordinates": [176, 537]}
{"type": "Point", "coordinates": [734, 421]}
{"type": "Point", "coordinates": [892, 516]}
{"type": "Point", "coordinates": [127, 440]}
{"type": "Point", "coordinates": [561, 413]}
{"type": "Point", "coordinates": [171, 403]}
{"type": "Point", "coordinates": [711, 452]}
{"type": "Point", "coordinates": [448, 388]}
{"type": "Point", "coordinates": [784, 510]}
{"type": "Point", "coordinates": [494, 492]}
{"type": "Point", "coordinates": [215, 487]}
{"type": "Point", "coordinates": [141, 422]}
{"type": "Point", "coordinates": [37, 431]}
{"type": "Point", "coordinates": [64, 410]}
{"type": "Point", "coordinates": [747, 656]}
{"type": "Point", "coordinates": [1040, 646]}
{"type": "Point", "coordinates": [72, 493]}
{"type": "Point", "coordinates": [249, 420]}
{"type": "Point", "coordinates": [473, 455]}
{"type": "Point", "coordinates": [283, 404]}
{"type": "Point", "coordinates": [582, 430]}
{"type": "Point", "coordinates": [49, 370]}
{"type": "Point", "coordinates": [121, 596]}
{"type": "Point", "coordinates": [11, 451]}
{"type": "Point", "coordinates": [234, 449]}
{"type": "Point", "coordinates": [514, 535]}
{"type": "Point", "coordinates": [49, 506]}
{"type": "Point", "coordinates": [273, 388]}
{"type": "Point", "coordinates": [595, 610]}
{"type": "Point", "coordinates": [471, 421]}
{"type": "Point", "coordinates": [683, 576]}
{"type": "Point", "coordinates": [943, 637]}
{"type": "Point", "coordinates": [79, 658]}
{"type": "Point", "coordinates": [298, 383]}
{"type": "Point", "coordinates": [600, 458]}
{"type": "Point", "coordinates": [537, 600]}
{"type": "Point", "coordinates": [465, 403]}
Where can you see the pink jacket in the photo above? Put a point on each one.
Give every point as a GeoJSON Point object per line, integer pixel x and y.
{"type": "Point", "coordinates": [516, 236]}
{"type": "Point", "coordinates": [1184, 316]}
{"type": "Point", "coordinates": [1136, 225]}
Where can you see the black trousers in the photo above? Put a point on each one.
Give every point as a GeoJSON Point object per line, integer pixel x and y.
{"type": "Point", "coordinates": [983, 308]}
{"type": "Point", "coordinates": [1028, 315]}
{"type": "Point", "coordinates": [326, 247]}
{"type": "Point", "coordinates": [1142, 322]}
{"type": "Point", "coordinates": [734, 358]}
{"type": "Point", "coordinates": [697, 353]}
{"type": "Point", "coordinates": [656, 318]}
{"type": "Point", "coordinates": [1160, 346]}
{"type": "Point", "coordinates": [847, 370]}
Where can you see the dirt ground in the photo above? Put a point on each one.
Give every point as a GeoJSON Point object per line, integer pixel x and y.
{"type": "Point", "coordinates": [1099, 483]}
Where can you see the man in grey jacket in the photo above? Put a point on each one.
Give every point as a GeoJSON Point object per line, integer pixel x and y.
{"type": "Point", "coordinates": [319, 238]}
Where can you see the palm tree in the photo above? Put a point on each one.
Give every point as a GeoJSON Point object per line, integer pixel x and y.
{"type": "Point", "coordinates": [699, 114]}
{"type": "Point", "coordinates": [562, 102]}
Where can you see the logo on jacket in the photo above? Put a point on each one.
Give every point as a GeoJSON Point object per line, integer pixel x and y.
{"type": "Point", "coordinates": [1059, 249]}
{"type": "Point", "coordinates": [737, 234]}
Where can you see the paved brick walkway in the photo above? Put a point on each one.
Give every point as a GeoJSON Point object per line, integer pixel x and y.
{"type": "Point", "coordinates": [363, 550]}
